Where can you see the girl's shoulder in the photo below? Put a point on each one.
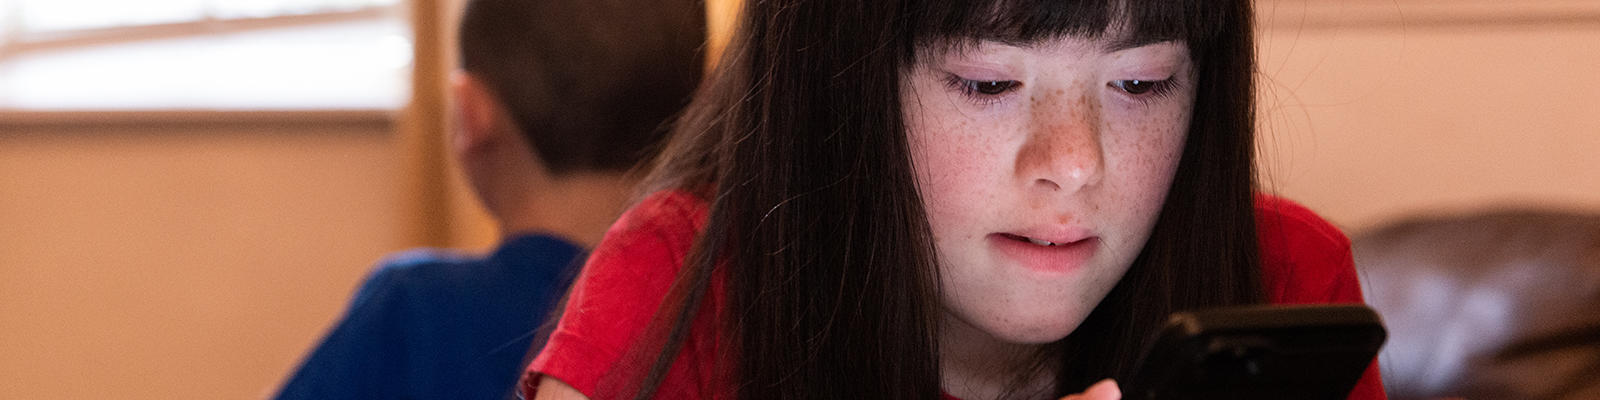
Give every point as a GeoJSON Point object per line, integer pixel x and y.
{"type": "Point", "coordinates": [673, 209]}
{"type": "Point", "coordinates": [1287, 226]}
{"type": "Point", "coordinates": [658, 230]}
{"type": "Point", "coordinates": [1304, 258]}
{"type": "Point", "coordinates": [1279, 219]}
{"type": "Point", "coordinates": [616, 296]}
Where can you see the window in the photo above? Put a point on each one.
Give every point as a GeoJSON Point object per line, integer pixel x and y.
{"type": "Point", "coordinates": [203, 54]}
{"type": "Point", "coordinates": [43, 18]}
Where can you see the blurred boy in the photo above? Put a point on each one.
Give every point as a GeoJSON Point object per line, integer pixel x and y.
{"type": "Point", "coordinates": [554, 102]}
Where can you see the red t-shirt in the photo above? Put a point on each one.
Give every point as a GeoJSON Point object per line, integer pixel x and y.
{"type": "Point", "coordinates": [1304, 260]}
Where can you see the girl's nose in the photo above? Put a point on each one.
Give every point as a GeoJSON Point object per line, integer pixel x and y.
{"type": "Point", "coordinates": [1063, 150]}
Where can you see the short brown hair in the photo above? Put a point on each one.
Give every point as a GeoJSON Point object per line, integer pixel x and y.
{"type": "Point", "coordinates": [592, 84]}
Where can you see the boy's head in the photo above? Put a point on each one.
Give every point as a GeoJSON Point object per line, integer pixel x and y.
{"type": "Point", "coordinates": [589, 84]}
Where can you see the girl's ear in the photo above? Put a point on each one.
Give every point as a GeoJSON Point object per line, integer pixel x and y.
{"type": "Point", "coordinates": [477, 111]}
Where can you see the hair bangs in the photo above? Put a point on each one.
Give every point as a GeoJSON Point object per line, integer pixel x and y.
{"type": "Point", "coordinates": [944, 25]}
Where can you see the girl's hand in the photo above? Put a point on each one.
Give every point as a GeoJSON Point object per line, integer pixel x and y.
{"type": "Point", "coordinates": [1103, 390]}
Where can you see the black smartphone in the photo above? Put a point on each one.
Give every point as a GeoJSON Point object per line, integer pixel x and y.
{"type": "Point", "coordinates": [1259, 352]}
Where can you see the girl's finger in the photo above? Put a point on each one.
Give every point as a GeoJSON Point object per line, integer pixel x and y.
{"type": "Point", "coordinates": [1103, 390]}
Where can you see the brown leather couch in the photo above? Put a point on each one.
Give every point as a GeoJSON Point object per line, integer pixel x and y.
{"type": "Point", "coordinates": [1495, 305]}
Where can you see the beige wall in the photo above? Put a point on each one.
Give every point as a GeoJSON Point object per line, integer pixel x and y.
{"type": "Point", "coordinates": [1379, 109]}
{"type": "Point", "coordinates": [200, 255]}
{"type": "Point", "coordinates": [183, 260]}
{"type": "Point", "coordinates": [201, 259]}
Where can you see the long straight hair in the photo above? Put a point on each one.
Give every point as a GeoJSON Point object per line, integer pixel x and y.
{"type": "Point", "coordinates": [818, 228]}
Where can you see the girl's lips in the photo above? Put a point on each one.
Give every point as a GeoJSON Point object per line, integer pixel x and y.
{"type": "Point", "coordinates": [1056, 234]}
{"type": "Point", "coordinates": [1055, 258]}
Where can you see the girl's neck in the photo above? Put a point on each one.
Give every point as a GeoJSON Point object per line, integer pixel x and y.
{"type": "Point", "coordinates": [977, 366]}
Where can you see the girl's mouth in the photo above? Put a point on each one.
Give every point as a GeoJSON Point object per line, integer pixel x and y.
{"type": "Point", "coordinates": [1045, 255]}
{"type": "Point", "coordinates": [1030, 240]}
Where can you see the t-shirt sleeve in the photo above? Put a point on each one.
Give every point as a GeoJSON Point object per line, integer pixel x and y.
{"type": "Point", "coordinates": [1307, 260]}
{"type": "Point", "coordinates": [618, 292]}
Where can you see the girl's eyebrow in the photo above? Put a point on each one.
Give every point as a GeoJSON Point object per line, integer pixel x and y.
{"type": "Point", "coordinates": [1135, 40]}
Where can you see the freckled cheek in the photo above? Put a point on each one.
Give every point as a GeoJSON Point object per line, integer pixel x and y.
{"type": "Point", "coordinates": [950, 158]}
{"type": "Point", "coordinates": [949, 149]}
{"type": "Point", "coordinates": [946, 178]}
{"type": "Point", "coordinates": [1147, 151]}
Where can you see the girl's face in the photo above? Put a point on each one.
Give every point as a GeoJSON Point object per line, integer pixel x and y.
{"type": "Point", "coordinates": [1043, 167]}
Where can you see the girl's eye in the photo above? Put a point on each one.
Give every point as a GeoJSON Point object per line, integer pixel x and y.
{"type": "Point", "coordinates": [990, 87]}
{"type": "Point", "coordinates": [1145, 91]}
{"type": "Point", "coordinates": [1136, 86]}
{"type": "Point", "coordinates": [981, 90]}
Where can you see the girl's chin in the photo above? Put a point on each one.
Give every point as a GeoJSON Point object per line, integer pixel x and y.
{"type": "Point", "coordinates": [1035, 333]}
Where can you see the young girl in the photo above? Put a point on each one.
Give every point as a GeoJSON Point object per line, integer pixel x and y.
{"type": "Point", "coordinates": [916, 199]}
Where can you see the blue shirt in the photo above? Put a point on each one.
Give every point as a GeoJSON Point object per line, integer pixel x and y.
{"type": "Point", "coordinates": [428, 324]}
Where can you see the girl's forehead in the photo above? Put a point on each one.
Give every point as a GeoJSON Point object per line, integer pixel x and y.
{"type": "Point", "coordinates": [1109, 43]}
{"type": "Point", "coordinates": [1116, 24]}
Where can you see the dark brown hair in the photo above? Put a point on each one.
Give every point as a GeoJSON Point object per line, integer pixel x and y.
{"type": "Point", "coordinates": [818, 225]}
{"type": "Point", "coordinates": [589, 82]}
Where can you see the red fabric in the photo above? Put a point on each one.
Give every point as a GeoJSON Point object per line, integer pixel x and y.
{"type": "Point", "coordinates": [614, 299]}
{"type": "Point", "coordinates": [1305, 260]}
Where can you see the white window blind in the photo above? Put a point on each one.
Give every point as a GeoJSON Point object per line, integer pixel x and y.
{"type": "Point", "coordinates": [203, 54]}
{"type": "Point", "coordinates": [40, 16]}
